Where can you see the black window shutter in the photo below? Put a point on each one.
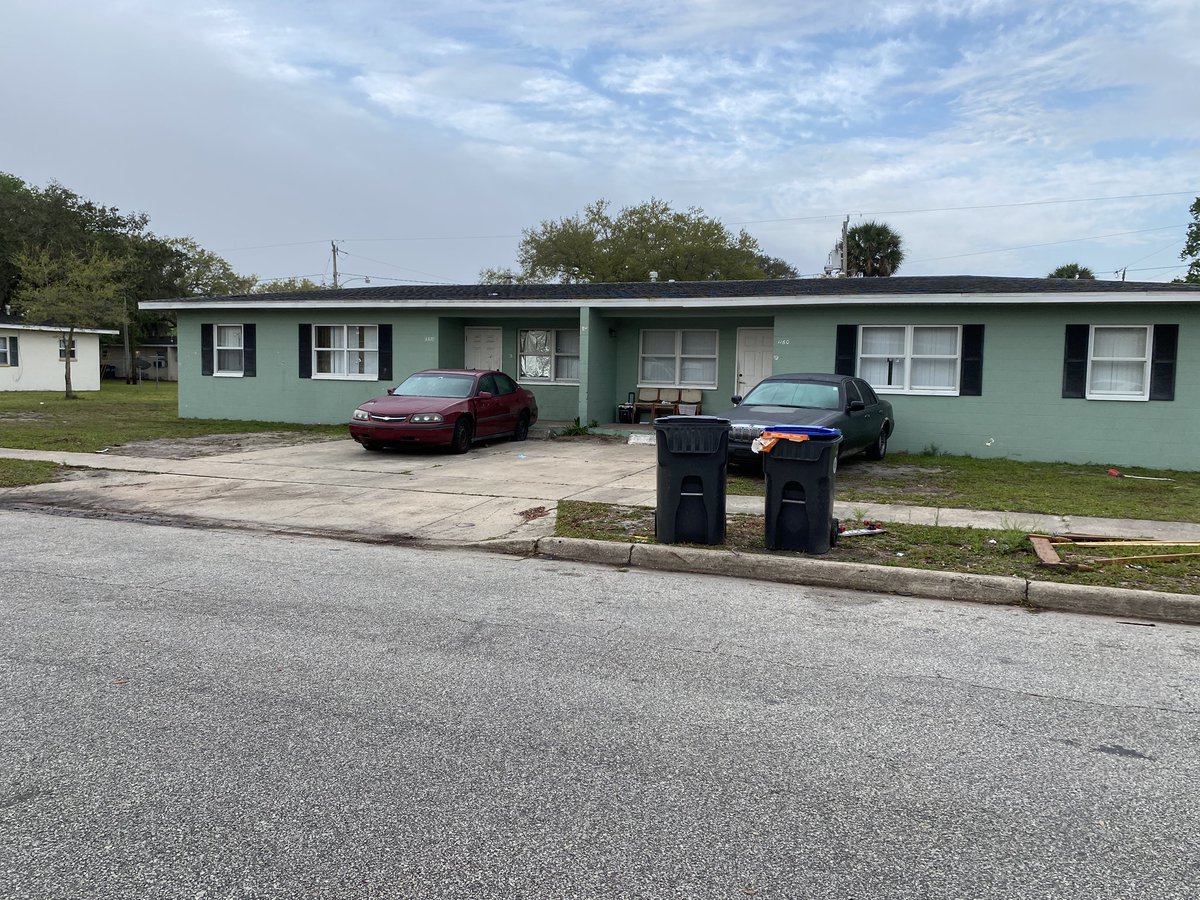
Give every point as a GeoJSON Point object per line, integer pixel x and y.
{"type": "Point", "coordinates": [970, 376]}
{"type": "Point", "coordinates": [1075, 357]}
{"type": "Point", "coordinates": [1162, 362]}
{"type": "Point", "coordinates": [305, 351]}
{"type": "Point", "coordinates": [14, 358]}
{"type": "Point", "coordinates": [845, 360]}
{"type": "Point", "coordinates": [385, 352]}
{"type": "Point", "coordinates": [249, 350]}
{"type": "Point", "coordinates": [206, 349]}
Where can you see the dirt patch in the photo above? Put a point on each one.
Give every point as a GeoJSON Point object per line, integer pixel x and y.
{"type": "Point", "coordinates": [217, 444]}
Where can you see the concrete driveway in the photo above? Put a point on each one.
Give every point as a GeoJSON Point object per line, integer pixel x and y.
{"type": "Point", "coordinates": [501, 490]}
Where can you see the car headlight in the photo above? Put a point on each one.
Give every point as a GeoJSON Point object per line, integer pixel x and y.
{"type": "Point", "coordinates": [427, 418]}
{"type": "Point", "coordinates": [361, 415]}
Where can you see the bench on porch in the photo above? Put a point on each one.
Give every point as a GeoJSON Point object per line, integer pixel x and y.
{"type": "Point", "coordinates": [666, 401]}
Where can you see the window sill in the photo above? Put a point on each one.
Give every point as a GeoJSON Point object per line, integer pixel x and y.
{"type": "Point", "coordinates": [1121, 398]}
{"type": "Point", "coordinates": [227, 374]}
{"type": "Point", "coordinates": [899, 393]}
{"type": "Point", "coordinates": [326, 377]}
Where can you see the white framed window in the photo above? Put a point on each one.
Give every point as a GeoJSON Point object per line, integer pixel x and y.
{"type": "Point", "coordinates": [910, 359]}
{"type": "Point", "coordinates": [228, 350]}
{"type": "Point", "coordinates": [62, 349]}
{"type": "Point", "coordinates": [8, 350]}
{"type": "Point", "coordinates": [1119, 362]}
{"type": "Point", "coordinates": [685, 357]}
{"type": "Point", "coordinates": [346, 351]}
{"type": "Point", "coordinates": [548, 355]}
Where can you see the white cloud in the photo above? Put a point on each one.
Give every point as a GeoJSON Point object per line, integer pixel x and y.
{"type": "Point", "coordinates": [248, 123]}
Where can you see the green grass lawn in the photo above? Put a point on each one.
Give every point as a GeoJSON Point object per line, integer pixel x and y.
{"type": "Point", "coordinates": [980, 551]}
{"type": "Point", "coordinates": [1006, 485]}
{"type": "Point", "coordinates": [116, 414]}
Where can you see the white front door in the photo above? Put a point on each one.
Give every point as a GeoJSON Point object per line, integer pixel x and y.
{"type": "Point", "coordinates": [482, 348]}
{"type": "Point", "coordinates": [755, 357]}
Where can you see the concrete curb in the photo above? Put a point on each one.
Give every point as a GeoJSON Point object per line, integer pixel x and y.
{"type": "Point", "coordinates": [991, 589]}
{"type": "Point", "coordinates": [926, 583]}
{"type": "Point", "coordinates": [1052, 595]}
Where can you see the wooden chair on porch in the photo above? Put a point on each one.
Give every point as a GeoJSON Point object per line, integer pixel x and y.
{"type": "Point", "coordinates": [653, 401]}
{"type": "Point", "coordinates": [689, 402]}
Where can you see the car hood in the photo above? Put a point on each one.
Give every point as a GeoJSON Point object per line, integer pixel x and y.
{"type": "Point", "coordinates": [748, 414]}
{"type": "Point", "coordinates": [407, 406]}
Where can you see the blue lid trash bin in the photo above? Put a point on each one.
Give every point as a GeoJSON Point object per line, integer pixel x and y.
{"type": "Point", "coordinates": [799, 462]}
{"type": "Point", "coordinates": [692, 452]}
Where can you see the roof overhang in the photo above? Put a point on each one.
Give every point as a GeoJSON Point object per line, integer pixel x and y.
{"type": "Point", "coordinates": [615, 304]}
{"type": "Point", "coordinates": [58, 329]}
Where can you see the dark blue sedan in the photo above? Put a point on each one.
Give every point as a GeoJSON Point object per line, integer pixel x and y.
{"type": "Point", "coordinates": [834, 401]}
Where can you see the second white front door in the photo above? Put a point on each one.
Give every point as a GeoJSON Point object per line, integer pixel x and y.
{"type": "Point", "coordinates": [482, 347]}
{"type": "Point", "coordinates": [755, 357]}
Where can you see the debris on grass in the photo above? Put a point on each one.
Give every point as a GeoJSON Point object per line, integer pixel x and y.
{"type": "Point", "coordinates": [1118, 474]}
{"type": "Point", "coordinates": [1048, 547]}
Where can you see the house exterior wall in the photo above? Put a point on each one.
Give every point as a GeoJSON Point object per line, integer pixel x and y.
{"type": "Point", "coordinates": [277, 393]}
{"type": "Point", "coordinates": [626, 362]}
{"type": "Point", "coordinates": [39, 368]}
{"type": "Point", "coordinates": [1020, 412]}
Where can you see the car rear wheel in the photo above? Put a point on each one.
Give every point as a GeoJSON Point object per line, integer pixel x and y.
{"type": "Point", "coordinates": [878, 450]}
{"type": "Point", "coordinates": [522, 430]}
{"type": "Point", "coordinates": [461, 442]}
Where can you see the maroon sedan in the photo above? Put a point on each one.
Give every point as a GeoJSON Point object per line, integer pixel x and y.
{"type": "Point", "coordinates": [448, 407]}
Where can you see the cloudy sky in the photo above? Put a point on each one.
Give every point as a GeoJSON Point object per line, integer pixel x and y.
{"type": "Point", "coordinates": [999, 137]}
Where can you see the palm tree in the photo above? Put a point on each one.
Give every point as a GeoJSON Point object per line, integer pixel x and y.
{"type": "Point", "coordinates": [873, 250]}
{"type": "Point", "coordinates": [1073, 270]}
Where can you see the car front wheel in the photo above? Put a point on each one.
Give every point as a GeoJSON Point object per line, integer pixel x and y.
{"type": "Point", "coordinates": [878, 450]}
{"type": "Point", "coordinates": [461, 442]}
{"type": "Point", "coordinates": [522, 429]}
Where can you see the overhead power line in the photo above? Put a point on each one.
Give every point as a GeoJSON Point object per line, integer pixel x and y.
{"type": "Point", "coordinates": [1095, 237]}
{"type": "Point", "coordinates": [932, 209]}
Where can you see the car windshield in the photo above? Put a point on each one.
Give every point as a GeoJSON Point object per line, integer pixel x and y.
{"type": "Point", "coordinates": [429, 385]}
{"type": "Point", "coordinates": [794, 393]}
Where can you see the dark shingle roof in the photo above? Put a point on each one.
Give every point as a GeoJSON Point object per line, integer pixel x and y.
{"type": "Point", "coordinates": [672, 290]}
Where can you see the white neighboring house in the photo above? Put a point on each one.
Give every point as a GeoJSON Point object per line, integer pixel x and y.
{"type": "Point", "coordinates": [32, 356]}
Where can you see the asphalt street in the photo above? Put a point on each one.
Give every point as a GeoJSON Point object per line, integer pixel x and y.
{"type": "Point", "coordinates": [205, 714]}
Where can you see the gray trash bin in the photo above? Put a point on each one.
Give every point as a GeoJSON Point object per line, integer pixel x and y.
{"type": "Point", "coordinates": [692, 453]}
{"type": "Point", "coordinates": [799, 487]}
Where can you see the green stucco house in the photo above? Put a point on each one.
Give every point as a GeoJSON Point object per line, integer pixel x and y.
{"type": "Point", "coordinates": [1027, 368]}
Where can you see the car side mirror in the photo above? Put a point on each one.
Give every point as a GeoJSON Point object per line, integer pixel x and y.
{"type": "Point", "coordinates": [856, 406]}
{"type": "Point", "coordinates": [391, 391]}
{"type": "Point", "coordinates": [484, 395]}
{"type": "Point", "coordinates": [736, 399]}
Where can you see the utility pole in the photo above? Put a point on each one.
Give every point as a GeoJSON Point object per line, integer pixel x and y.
{"type": "Point", "coordinates": [845, 250]}
{"type": "Point", "coordinates": [334, 245]}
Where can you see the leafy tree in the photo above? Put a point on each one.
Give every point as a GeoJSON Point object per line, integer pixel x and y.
{"type": "Point", "coordinates": [287, 285]}
{"type": "Point", "coordinates": [71, 290]}
{"type": "Point", "coordinates": [202, 273]}
{"type": "Point", "coordinates": [651, 237]}
{"type": "Point", "coordinates": [1074, 271]}
{"type": "Point", "coordinates": [873, 250]}
{"type": "Point", "coordinates": [56, 220]}
{"type": "Point", "coordinates": [1191, 247]}
{"type": "Point", "coordinates": [774, 267]}
{"type": "Point", "coordinates": [54, 235]}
